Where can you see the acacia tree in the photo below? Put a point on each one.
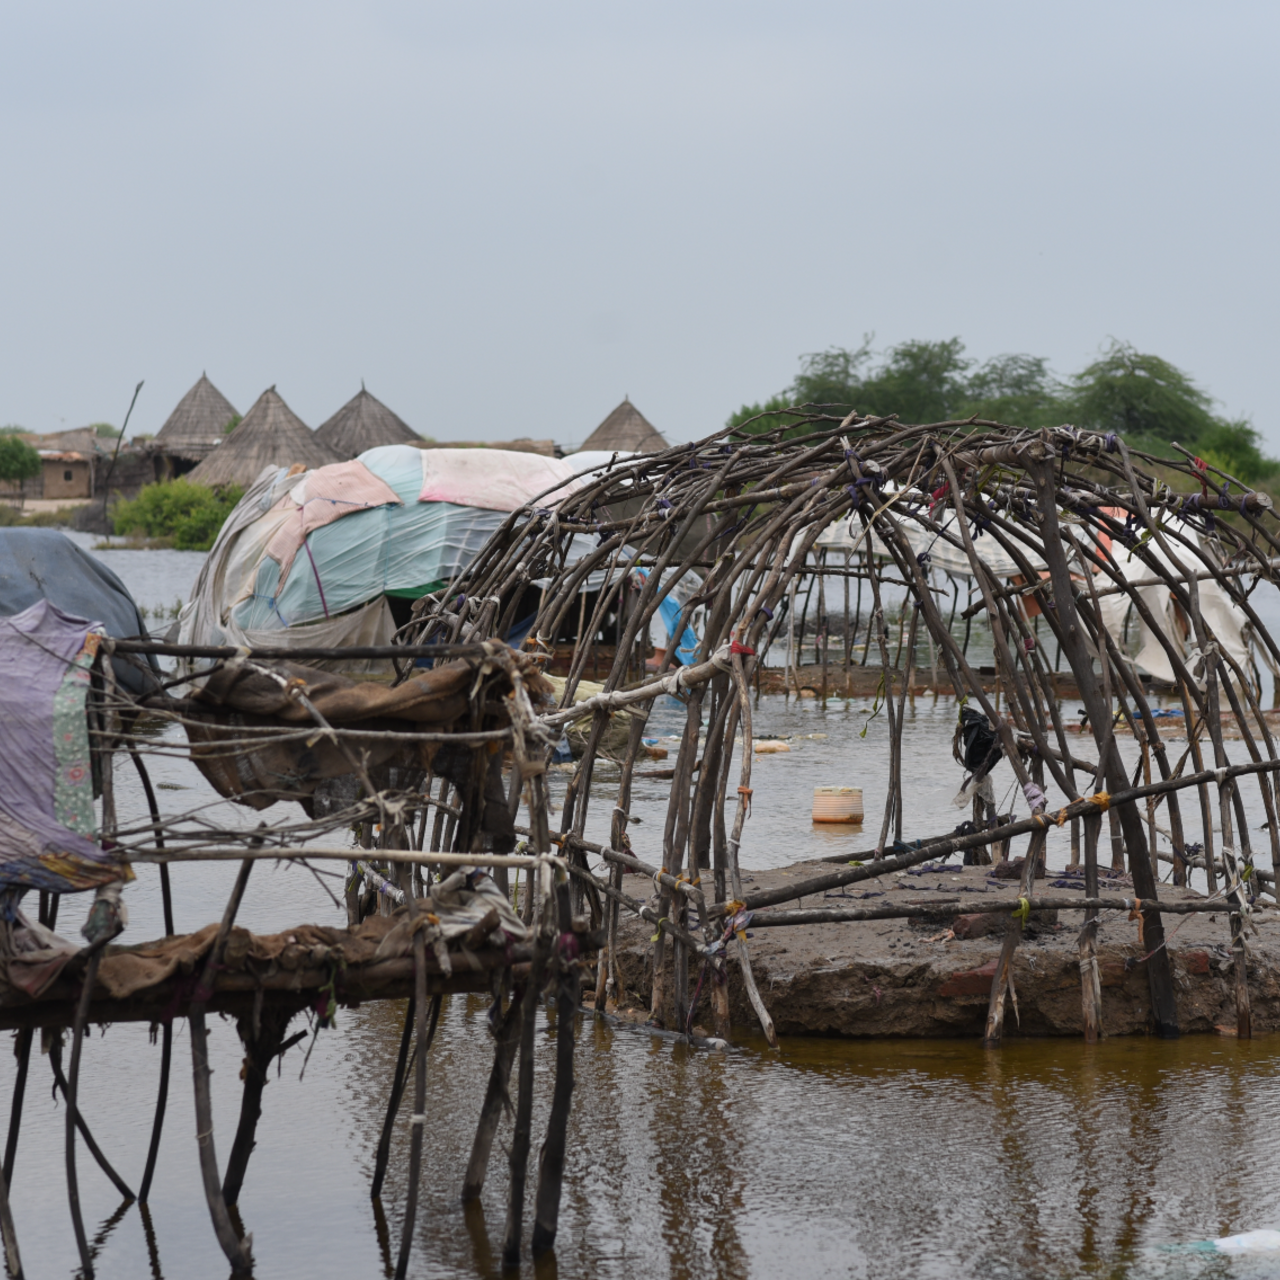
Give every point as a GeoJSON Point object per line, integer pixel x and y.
{"type": "Point", "coordinates": [19, 462]}
{"type": "Point", "coordinates": [1141, 397]}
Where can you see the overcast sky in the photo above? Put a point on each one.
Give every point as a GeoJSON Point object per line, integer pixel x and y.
{"type": "Point", "coordinates": [506, 216]}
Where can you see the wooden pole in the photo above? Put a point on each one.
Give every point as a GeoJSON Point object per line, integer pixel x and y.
{"type": "Point", "coordinates": [166, 1030]}
{"type": "Point", "coordinates": [22, 1051]}
{"type": "Point", "coordinates": [9, 1234]}
{"type": "Point", "coordinates": [393, 1105]}
{"type": "Point", "coordinates": [262, 1038]}
{"type": "Point", "coordinates": [506, 1041]}
{"type": "Point", "coordinates": [551, 1166]}
{"type": "Point", "coordinates": [73, 1078]}
{"type": "Point", "coordinates": [1164, 1009]}
{"type": "Point", "coordinates": [417, 1122]}
{"type": "Point", "coordinates": [1090, 978]}
{"type": "Point", "coordinates": [236, 1249]}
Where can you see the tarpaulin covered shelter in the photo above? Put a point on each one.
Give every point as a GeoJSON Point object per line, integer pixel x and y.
{"type": "Point", "coordinates": [1224, 620]}
{"type": "Point", "coordinates": [313, 558]}
{"type": "Point", "coordinates": [44, 564]}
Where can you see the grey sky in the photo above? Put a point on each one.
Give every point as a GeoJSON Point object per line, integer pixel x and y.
{"type": "Point", "coordinates": [504, 216]}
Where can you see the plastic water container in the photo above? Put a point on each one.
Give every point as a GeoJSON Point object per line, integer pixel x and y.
{"type": "Point", "coordinates": [837, 804]}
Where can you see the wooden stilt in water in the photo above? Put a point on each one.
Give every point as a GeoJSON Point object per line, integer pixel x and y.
{"type": "Point", "coordinates": [162, 1099]}
{"type": "Point", "coordinates": [22, 1051]}
{"type": "Point", "coordinates": [73, 1077]}
{"type": "Point", "coordinates": [8, 1234]}
{"type": "Point", "coordinates": [495, 1098]}
{"type": "Point", "coordinates": [236, 1249]}
{"type": "Point", "coordinates": [393, 1104]}
{"type": "Point", "coordinates": [551, 1165]}
{"type": "Point", "coordinates": [262, 1038]}
{"type": "Point", "coordinates": [60, 1083]}
{"type": "Point", "coordinates": [417, 1121]}
{"type": "Point", "coordinates": [520, 1141]}
{"type": "Point", "coordinates": [166, 1043]}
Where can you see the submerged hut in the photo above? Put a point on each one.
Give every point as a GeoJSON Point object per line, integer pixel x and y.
{"type": "Point", "coordinates": [364, 422]}
{"type": "Point", "coordinates": [626, 429]}
{"type": "Point", "coordinates": [195, 428]}
{"type": "Point", "coordinates": [336, 556]}
{"type": "Point", "coordinates": [270, 435]}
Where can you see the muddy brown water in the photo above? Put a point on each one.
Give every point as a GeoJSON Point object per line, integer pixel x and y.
{"type": "Point", "coordinates": [827, 1158]}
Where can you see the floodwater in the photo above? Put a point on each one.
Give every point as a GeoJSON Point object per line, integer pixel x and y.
{"type": "Point", "coordinates": [826, 1158]}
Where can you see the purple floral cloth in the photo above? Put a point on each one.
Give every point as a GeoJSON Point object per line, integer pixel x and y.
{"type": "Point", "coordinates": [46, 785]}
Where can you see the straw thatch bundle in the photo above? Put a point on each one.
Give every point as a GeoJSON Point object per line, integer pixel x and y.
{"type": "Point", "coordinates": [270, 435]}
{"type": "Point", "coordinates": [198, 423]}
{"type": "Point", "coordinates": [626, 429]}
{"type": "Point", "coordinates": [364, 422]}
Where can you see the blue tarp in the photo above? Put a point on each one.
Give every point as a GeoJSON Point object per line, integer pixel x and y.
{"type": "Point", "coordinates": [393, 550]}
{"type": "Point", "coordinates": [43, 564]}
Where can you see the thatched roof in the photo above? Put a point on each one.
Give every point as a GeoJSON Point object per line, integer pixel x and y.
{"type": "Point", "coordinates": [198, 423]}
{"type": "Point", "coordinates": [364, 422]}
{"type": "Point", "coordinates": [270, 435]}
{"type": "Point", "coordinates": [626, 428]}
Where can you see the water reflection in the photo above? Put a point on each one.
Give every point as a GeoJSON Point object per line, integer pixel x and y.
{"type": "Point", "coordinates": [870, 1159]}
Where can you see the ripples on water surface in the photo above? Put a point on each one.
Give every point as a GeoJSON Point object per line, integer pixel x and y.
{"type": "Point", "coordinates": [828, 1158]}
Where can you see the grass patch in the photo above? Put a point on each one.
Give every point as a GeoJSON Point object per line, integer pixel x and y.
{"type": "Point", "coordinates": [14, 517]}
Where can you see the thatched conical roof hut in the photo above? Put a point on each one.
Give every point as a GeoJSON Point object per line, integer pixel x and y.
{"type": "Point", "coordinates": [198, 423]}
{"type": "Point", "coordinates": [270, 435]}
{"type": "Point", "coordinates": [364, 422]}
{"type": "Point", "coordinates": [626, 429]}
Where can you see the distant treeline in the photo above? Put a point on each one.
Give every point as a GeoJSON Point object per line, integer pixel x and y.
{"type": "Point", "coordinates": [1146, 400]}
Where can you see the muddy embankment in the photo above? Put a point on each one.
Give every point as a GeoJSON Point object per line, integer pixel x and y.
{"type": "Point", "coordinates": [915, 978]}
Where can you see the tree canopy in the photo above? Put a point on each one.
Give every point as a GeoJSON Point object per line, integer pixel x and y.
{"type": "Point", "coordinates": [19, 462]}
{"type": "Point", "coordinates": [1143, 398]}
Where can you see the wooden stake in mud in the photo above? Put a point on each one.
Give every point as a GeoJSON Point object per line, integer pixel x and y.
{"type": "Point", "coordinates": [1002, 983]}
{"type": "Point", "coordinates": [1164, 1009]}
{"type": "Point", "coordinates": [1090, 978]}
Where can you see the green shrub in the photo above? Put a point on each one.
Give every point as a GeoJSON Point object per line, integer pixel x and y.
{"type": "Point", "coordinates": [185, 515]}
{"type": "Point", "coordinates": [19, 462]}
